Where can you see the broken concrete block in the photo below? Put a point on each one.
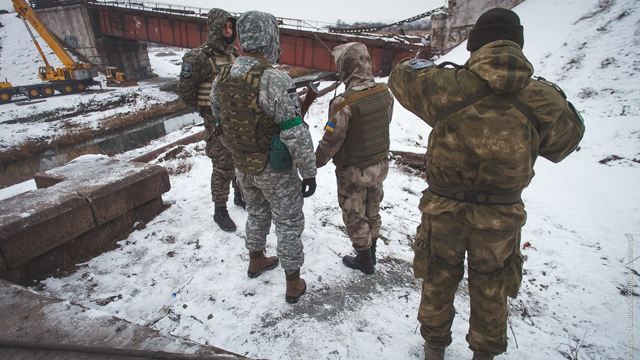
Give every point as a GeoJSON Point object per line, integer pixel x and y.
{"type": "Point", "coordinates": [63, 259]}
{"type": "Point", "coordinates": [111, 186]}
{"type": "Point", "coordinates": [37, 221]}
{"type": "Point", "coordinates": [45, 180]}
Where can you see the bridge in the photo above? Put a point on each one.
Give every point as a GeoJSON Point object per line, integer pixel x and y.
{"type": "Point", "coordinates": [115, 32]}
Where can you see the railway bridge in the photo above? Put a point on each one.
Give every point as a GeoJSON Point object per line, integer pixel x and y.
{"type": "Point", "coordinates": [116, 33]}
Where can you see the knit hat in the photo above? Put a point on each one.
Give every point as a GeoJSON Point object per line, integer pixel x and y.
{"type": "Point", "coordinates": [495, 24]}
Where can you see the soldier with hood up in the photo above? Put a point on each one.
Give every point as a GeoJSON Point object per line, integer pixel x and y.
{"type": "Point", "coordinates": [271, 147]}
{"type": "Point", "coordinates": [199, 67]}
{"type": "Point", "coordinates": [490, 122]}
{"type": "Point", "coordinates": [357, 138]}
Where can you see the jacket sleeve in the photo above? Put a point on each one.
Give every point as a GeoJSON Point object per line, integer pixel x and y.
{"type": "Point", "coordinates": [409, 82]}
{"type": "Point", "coordinates": [190, 78]}
{"type": "Point", "coordinates": [278, 98]}
{"type": "Point", "coordinates": [335, 132]}
{"type": "Point", "coordinates": [560, 128]}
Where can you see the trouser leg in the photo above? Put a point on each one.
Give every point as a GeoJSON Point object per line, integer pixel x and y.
{"type": "Point", "coordinates": [223, 171]}
{"type": "Point", "coordinates": [258, 214]}
{"type": "Point", "coordinates": [352, 199]}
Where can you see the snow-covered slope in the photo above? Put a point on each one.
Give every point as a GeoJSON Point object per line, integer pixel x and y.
{"type": "Point", "coordinates": [183, 276]}
{"type": "Point", "coordinates": [42, 121]}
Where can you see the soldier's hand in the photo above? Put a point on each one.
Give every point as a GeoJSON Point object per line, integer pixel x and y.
{"type": "Point", "coordinates": [308, 187]}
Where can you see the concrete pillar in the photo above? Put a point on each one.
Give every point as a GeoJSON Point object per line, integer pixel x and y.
{"type": "Point", "coordinates": [73, 25]}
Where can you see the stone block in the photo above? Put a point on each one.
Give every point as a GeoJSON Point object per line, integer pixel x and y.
{"type": "Point", "coordinates": [63, 259]}
{"type": "Point", "coordinates": [37, 221]}
{"type": "Point", "coordinates": [45, 180]}
{"type": "Point", "coordinates": [112, 187]}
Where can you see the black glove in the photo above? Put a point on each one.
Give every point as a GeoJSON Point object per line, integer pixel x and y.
{"type": "Point", "coordinates": [308, 187]}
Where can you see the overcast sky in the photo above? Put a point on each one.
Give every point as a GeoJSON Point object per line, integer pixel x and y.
{"type": "Point", "coordinates": [317, 10]}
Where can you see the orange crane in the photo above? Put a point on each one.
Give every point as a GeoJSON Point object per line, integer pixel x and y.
{"type": "Point", "coordinates": [71, 78]}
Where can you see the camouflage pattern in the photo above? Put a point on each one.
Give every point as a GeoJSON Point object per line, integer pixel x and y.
{"type": "Point", "coordinates": [360, 193]}
{"type": "Point", "coordinates": [223, 172]}
{"type": "Point", "coordinates": [199, 67]}
{"type": "Point", "coordinates": [488, 143]}
{"type": "Point", "coordinates": [274, 196]}
{"type": "Point", "coordinates": [270, 195]}
{"type": "Point", "coordinates": [246, 129]}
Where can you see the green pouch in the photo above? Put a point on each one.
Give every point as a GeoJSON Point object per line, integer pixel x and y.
{"type": "Point", "coordinates": [279, 155]}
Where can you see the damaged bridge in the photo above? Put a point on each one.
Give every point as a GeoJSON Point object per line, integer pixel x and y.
{"type": "Point", "coordinates": [115, 33]}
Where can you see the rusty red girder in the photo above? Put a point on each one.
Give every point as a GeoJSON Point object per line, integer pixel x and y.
{"type": "Point", "coordinates": [301, 48]}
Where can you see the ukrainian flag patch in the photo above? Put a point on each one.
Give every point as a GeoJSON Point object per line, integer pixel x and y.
{"type": "Point", "coordinates": [330, 126]}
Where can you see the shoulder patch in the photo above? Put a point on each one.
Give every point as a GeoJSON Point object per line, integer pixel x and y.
{"type": "Point", "coordinates": [419, 64]}
{"type": "Point", "coordinates": [186, 70]}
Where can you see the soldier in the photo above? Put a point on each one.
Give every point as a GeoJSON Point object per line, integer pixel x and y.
{"type": "Point", "coordinates": [490, 121]}
{"type": "Point", "coordinates": [357, 138]}
{"type": "Point", "coordinates": [199, 68]}
{"type": "Point", "coordinates": [270, 145]}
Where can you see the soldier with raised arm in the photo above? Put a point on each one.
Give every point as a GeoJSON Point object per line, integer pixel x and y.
{"type": "Point", "coordinates": [490, 122]}
{"type": "Point", "coordinates": [271, 147]}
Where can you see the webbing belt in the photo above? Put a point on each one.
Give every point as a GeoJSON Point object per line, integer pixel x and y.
{"type": "Point", "coordinates": [476, 194]}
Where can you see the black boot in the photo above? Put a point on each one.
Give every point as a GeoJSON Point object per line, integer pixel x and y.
{"type": "Point", "coordinates": [221, 217]}
{"type": "Point", "coordinates": [362, 261]}
{"type": "Point", "coordinates": [238, 200]}
{"type": "Point", "coordinates": [373, 250]}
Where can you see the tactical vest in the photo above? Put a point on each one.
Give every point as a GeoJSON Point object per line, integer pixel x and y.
{"type": "Point", "coordinates": [247, 130]}
{"type": "Point", "coordinates": [204, 88]}
{"type": "Point", "coordinates": [367, 140]}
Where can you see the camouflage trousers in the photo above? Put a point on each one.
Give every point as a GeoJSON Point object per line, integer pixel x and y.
{"type": "Point", "coordinates": [278, 197]}
{"type": "Point", "coordinates": [495, 271]}
{"type": "Point", "coordinates": [359, 195]}
{"type": "Point", "coordinates": [223, 172]}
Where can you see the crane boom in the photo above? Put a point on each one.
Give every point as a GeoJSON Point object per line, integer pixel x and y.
{"type": "Point", "coordinates": [27, 13]}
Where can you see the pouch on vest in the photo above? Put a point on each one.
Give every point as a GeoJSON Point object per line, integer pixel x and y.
{"type": "Point", "coordinates": [279, 155]}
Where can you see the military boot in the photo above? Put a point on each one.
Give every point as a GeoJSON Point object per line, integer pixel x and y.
{"type": "Point", "coordinates": [296, 287]}
{"type": "Point", "coordinates": [482, 356]}
{"type": "Point", "coordinates": [258, 263]}
{"type": "Point", "coordinates": [221, 217]}
{"type": "Point", "coordinates": [238, 200]}
{"type": "Point", "coordinates": [362, 261]}
{"type": "Point", "coordinates": [433, 353]}
{"type": "Point", "coordinates": [373, 250]}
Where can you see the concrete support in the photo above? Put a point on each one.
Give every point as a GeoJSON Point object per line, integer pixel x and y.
{"type": "Point", "coordinates": [452, 28]}
{"type": "Point", "coordinates": [75, 25]}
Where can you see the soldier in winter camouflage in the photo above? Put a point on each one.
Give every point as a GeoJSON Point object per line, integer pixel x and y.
{"type": "Point", "coordinates": [490, 121]}
{"type": "Point", "coordinates": [357, 138]}
{"type": "Point", "coordinates": [199, 67]}
{"type": "Point", "coordinates": [261, 120]}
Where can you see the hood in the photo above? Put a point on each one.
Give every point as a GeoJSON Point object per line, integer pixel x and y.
{"type": "Point", "coordinates": [353, 63]}
{"type": "Point", "coordinates": [258, 34]}
{"type": "Point", "coordinates": [502, 65]}
{"type": "Point", "coordinates": [215, 26]}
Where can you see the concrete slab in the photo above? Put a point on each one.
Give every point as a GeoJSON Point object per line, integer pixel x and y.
{"type": "Point", "coordinates": [63, 259]}
{"type": "Point", "coordinates": [37, 221]}
{"type": "Point", "coordinates": [112, 187]}
{"type": "Point", "coordinates": [33, 318]}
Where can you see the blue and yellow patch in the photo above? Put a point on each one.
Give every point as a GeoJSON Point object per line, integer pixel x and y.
{"type": "Point", "coordinates": [330, 126]}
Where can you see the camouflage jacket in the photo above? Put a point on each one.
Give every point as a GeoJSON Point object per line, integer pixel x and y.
{"type": "Point", "coordinates": [490, 142]}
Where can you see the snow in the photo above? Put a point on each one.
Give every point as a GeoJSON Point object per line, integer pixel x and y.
{"type": "Point", "coordinates": [183, 276]}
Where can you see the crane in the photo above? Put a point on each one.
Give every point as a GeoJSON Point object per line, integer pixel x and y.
{"type": "Point", "coordinates": [71, 78]}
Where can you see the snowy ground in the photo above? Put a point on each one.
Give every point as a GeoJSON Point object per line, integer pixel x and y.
{"type": "Point", "coordinates": [183, 276]}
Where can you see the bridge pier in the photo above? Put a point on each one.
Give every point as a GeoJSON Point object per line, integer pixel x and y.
{"type": "Point", "coordinates": [75, 25]}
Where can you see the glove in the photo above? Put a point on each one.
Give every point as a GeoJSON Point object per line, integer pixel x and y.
{"type": "Point", "coordinates": [308, 187]}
